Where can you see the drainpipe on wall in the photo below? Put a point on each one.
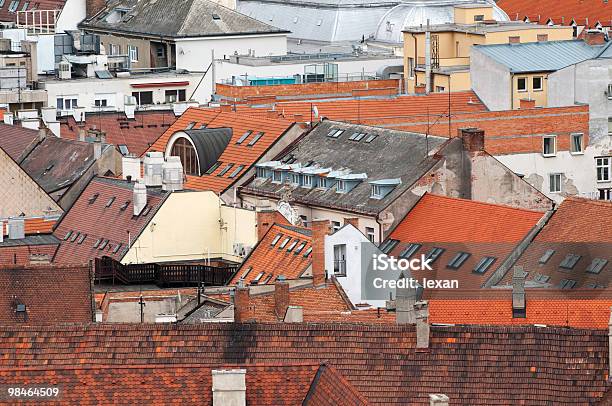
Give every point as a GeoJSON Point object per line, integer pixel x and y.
{"type": "Point", "coordinates": [427, 59]}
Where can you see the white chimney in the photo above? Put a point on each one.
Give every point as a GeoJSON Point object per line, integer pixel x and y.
{"type": "Point", "coordinates": [229, 387]}
{"type": "Point", "coordinates": [49, 114]}
{"type": "Point", "coordinates": [153, 163]}
{"type": "Point", "coordinates": [421, 309]}
{"type": "Point", "coordinates": [97, 146]}
{"type": "Point", "coordinates": [25, 114]}
{"type": "Point", "coordinates": [130, 110]}
{"type": "Point", "coordinates": [9, 118]}
{"type": "Point", "coordinates": [55, 128]}
{"type": "Point", "coordinates": [140, 197]}
{"type": "Point", "coordinates": [294, 314]}
{"type": "Point", "coordinates": [179, 108]}
{"type": "Point", "coordinates": [31, 123]}
{"type": "Point", "coordinates": [78, 113]}
{"type": "Point", "coordinates": [16, 228]}
{"type": "Point", "coordinates": [172, 171]}
{"type": "Point", "coordinates": [519, 308]}
{"type": "Point", "coordinates": [99, 316]}
{"type": "Point", "coordinates": [438, 399]}
{"type": "Point", "coordinates": [130, 166]}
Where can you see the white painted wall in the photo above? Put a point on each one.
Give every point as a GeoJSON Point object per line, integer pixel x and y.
{"type": "Point", "coordinates": [491, 81]}
{"type": "Point", "coordinates": [72, 14]}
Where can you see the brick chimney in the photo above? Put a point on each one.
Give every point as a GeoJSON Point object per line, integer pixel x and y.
{"type": "Point", "coordinates": [93, 6]}
{"type": "Point", "coordinates": [421, 309]}
{"type": "Point", "coordinates": [527, 104]}
{"type": "Point", "coordinates": [594, 37]}
{"type": "Point", "coordinates": [519, 307]}
{"type": "Point", "coordinates": [266, 219]}
{"type": "Point", "coordinates": [438, 399]}
{"type": "Point", "coordinates": [473, 139]}
{"type": "Point", "coordinates": [419, 89]}
{"type": "Point", "coordinates": [354, 221]}
{"type": "Point", "coordinates": [242, 304]}
{"type": "Point", "coordinates": [281, 297]}
{"type": "Point", "coordinates": [320, 228]}
{"type": "Point", "coordinates": [610, 344]}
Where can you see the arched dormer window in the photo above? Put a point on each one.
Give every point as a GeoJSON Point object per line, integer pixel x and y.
{"type": "Point", "coordinates": [184, 149]}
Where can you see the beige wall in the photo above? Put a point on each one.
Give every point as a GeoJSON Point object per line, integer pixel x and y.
{"type": "Point", "coordinates": [530, 35]}
{"type": "Point", "coordinates": [144, 48]}
{"type": "Point", "coordinates": [188, 227]}
{"type": "Point", "coordinates": [465, 15]}
{"type": "Point", "coordinates": [459, 81]}
{"type": "Point", "coordinates": [540, 96]}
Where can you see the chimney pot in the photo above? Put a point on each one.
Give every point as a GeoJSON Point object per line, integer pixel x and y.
{"type": "Point", "coordinates": [421, 309]}
{"type": "Point", "coordinates": [281, 297]}
{"type": "Point", "coordinates": [320, 229]}
{"type": "Point", "coordinates": [473, 139]}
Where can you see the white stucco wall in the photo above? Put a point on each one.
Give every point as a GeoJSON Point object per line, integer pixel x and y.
{"type": "Point", "coordinates": [490, 81]}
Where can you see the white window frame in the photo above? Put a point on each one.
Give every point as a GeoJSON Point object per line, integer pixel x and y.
{"type": "Point", "coordinates": [376, 192]}
{"type": "Point", "coordinates": [370, 233]}
{"type": "Point", "coordinates": [603, 162]}
{"type": "Point", "coordinates": [341, 186]}
{"type": "Point", "coordinates": [550, 184]}
{"type": "Point", "coordinates": [275, 174]}
{"type": "Point", "coordinates": [581, 151]}
{"type": "Point", "coordinates": [537, 89]}
{"type": "Point", "coordinates": [526, 84]}
{"type": "Point", "coordinates": [554, 140]}
{"type": "Point", "coordinates": [610, 126]}
{"type": "Point", "coordinates": [307, 181]}
{"type": "Point", "coordinates": [133, 53]}
{"type": "Point", "coordinates": [13, 6]}
{"type": "Point", "coordinates": [336, 225]}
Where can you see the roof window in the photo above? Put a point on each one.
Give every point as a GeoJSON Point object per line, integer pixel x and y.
{"type": "Point", "coordinates": [224, 170]}
{"type": "Point", "coordinates": [567, 283]}
{"type": "Point", "coordinates": [68, 234]}
{"type": "Point", "coordinates": [258, 277]}
{"type": "Point", "coordinates": [110, 201]}
{"type": "Point", "coordinates": [434, 254]}
{"type": "Point", "coordinates": [484, 264]}
{"type": "Point", "coordinates": [409, 251]}
{"type": "Point", "coordinates": [458, 260]}
{"type": "Point", "coordinates": [93, 198]}
{"type": "Point", "coordinates": [245, 273]}
{"type": "Point", "coordinates": [307, 253]}
{"type": "Point", "coordinates": [597, 265]}
{"type": "Point", "coordinates": [74, 237]}
{"type": "Point", "coordinates": [146, 210]}
{"type": "Point", "coordinates": [103, 245]}
{"type": "Point", "coordinates": [388, 246]}
{"type": "Point", "coordinates": [124, 206]}
{"type": "Point", "coordinates": [190, 125]}
{"type": "Point", "coordinates": [275, 240]}
{"type": "Point", "coordinates": [214, 167]}
{"type": "Point", "coordinates": [244, 137]}
{"type": "Point", "coordinates": [370, 138]}
{"type": "Point", "coordinates": [284, 243]}
{"type": "Point", "coordinates": [255, 139]}
{"type": "Point", "coordinates": [236, 171]}
{"type": "Point", "coordinates": [81, 238]}
{"type": "Point", "coordinates": [546, 256]}
{"type": "Point", "coordinates": [292, 245]}
{"type": "Point", "coordinates": [569, 261]}
{"type": "Point", "coordinates": [335, 133]}
{"type": "Point", "coordinates": [299, 248]}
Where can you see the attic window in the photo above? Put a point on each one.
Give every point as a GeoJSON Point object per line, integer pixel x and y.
{"type": "Point", "coordinates": [82, 238]}
{"type": "Point", "coordinates": [258, 277]}
{"type": "Point", "coordinates": [370, 138]}
{"type": "Point", "coordinates": [284, 243]}
{"type": "Point", "coordinates": [567, 284]}
{"type": "Point", "coordinates": [376, 192]}
{"type": "Point", "coordinates": [597, 265]}
{"type": "Point", "coordinates": [97, 243]}
{"type": "Point", "coordinates": [307, 253]}
{"type": "Point", "coordinates": [388, 246]}
{"type": "Point", "coordinates": [110, 201]}
{"type": "Point", "coordinates": [570, 261]}
{"type": "Point", "coordinates": [146, 210]}
{"type": "Point", "coordinates": [103, 245]}
{"type": "Point", "coordinates": [484, 264]}
{"type": "Point", "coordinates": [190, 125]}
{"type": "Point", "coordinates": [547, 255]}
{"type": "Point", "coordinates": [357, 136]}
{"type": "Point", "coordinates": [123, 149]}
{"type": "Point", "coordinates": [116, 249]}
{"type": "Point", "coordinates": [214, 167]}
{"type": "Point", "coordinates": [275, 240]}
{"type": "Point", "coordinates": [216, 16]}
{"type": "Point", "coordinates": [238, 169]}
{"type": "Point", "coordinates": [458, 260]}
{"type": "Point", "coordinates": [409, 251]}
{"type": "Point", "coordinates": [244, 137]}
{"type": "Point", "coordinates": [434, 254]}
{"type": "Point", "coordinates": [335, 133]}
{"type": "Point", "coordinates": [245, 273]}
{"type": "Point", "coordinates": [224, 171]}
{"type": "Point", "coordinates": [299, 248]}
{"type": "Point", "coordinates": [68, 234]}
{"type": "Point", "coordinates": [124, 206]}
{"type": "Point", "coordinates": [292, 246]}
{"type": "Point", "coordinates": [541, 278]}
{"type": "Point", "coordinates": [74, 237]}
{"type": "Point", "coordinates": [341, 186]}
{"type": "Point", "coordinates": [93, 198]}
{"type": "Point", "coordinates": [255, 139]}
{"type": "Point", "coordinates": [20, 308]}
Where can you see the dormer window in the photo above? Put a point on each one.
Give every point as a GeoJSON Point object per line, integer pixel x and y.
{"type": "Point", "coordinates": [376, 192]}
{"type": "Point", "coordinates": [341, 186]}
{"type": "Point", "coordinates": [262, 173]}
{"type": "Point", "coordinates": [295, 179]}
{"type": "Point", "coordinates": [307, 181]}
{"type": "Point", "coordinates": [322, 183]}
{"type": "Point", "coordinates": [381, 188]}
{"type": "Point", "coordinates": [277, 176]}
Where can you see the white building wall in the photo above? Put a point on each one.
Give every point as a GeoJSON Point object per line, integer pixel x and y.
{"type": "Point", "coordinates": [72, 14]}
{"type": "Point", "coordinates": [490, 81]}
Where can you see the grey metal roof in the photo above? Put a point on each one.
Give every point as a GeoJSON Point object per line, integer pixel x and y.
{"type": "Point", "coordinates": [541, 56]}
{"type": "Point", "coordinates": [177, 19]}
{"type": "Point", "coordinates": [210, 144]}
{"type": "Point", "coordinates": [392, 154]}
{"type": "Point", "coordinates": [39, 239]}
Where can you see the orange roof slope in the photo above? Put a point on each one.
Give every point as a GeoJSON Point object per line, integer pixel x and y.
{"type": "Point", "coordinates": [586, 13]}
{"type": "Point", "coordinates": [34, 225]}
{"type": "Point", "coordinates": [283, 250]}
{"type": "Point", "coordinates": [237, 154]}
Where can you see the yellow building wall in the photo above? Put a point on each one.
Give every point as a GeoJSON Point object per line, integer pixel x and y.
{"type": "Point", "coordinates": [465, 15]}
{"type": "Point", "coordinates": [529, 35]}
{"type": "Point", "coordinates": [540, 96]}
{"type": "Point", "coordinates": [188, 227]}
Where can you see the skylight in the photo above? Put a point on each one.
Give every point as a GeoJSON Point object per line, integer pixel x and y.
{"type": "Point", "coordinates": [541, 278]}
{"type": "Point", "coordinates": [300, 248]}
{"type": "Point", "coordinates": [255, 139]}
{"type": "Point", "coordinates": [458, 260]}
{"type": "Point", "coordinates": [244, 137]}
{"type": "Point", "coordinates": [307, 253]}
{"type": "Point", "coordinates": [484, 264]}
{"type": "Point", "coordinates": [103, 245]}
{"type": "Point", "coordinates": [214, 167]}
{"type": "Point", "coordinates": [124, 206]}
{"type": "Point", "coordinates": [216, 16]}
{"type": "Point", "coordinates": [258, 277]}
{"type": "Point", "coordinates": [546, 256]}
{"type": "Point", "coordinates": [567, 284]}
{"type": "Point", "coordinates": [97, 243]}
{"type": "Point", "coordinates": [146, 210]}
{"type": "Point", "coordinates": [284, 243]}
{"type": "Point", "coordinates": [110, 201]}
{"type": "Point", "coordinates": [357, 136]}
{"type": "Point", "coordinates": [93, 198]}
{"type": "Point", "coordinates": [68, 234]}
{"type": "Point", "coordinates": [570, 261]}
{"type": "Point", "coordinates": [597, 265]}
{"type": "Point", "coordinates": [409, 251]}
{"type": "Point", "coordinates": [335, 133]}
{"type": "Point", "coordinates": [371, 138]}
{"type": "Point", "coordinates": [245, 273]}
{"type": "Point", "coordinates": [190, 125]}
{"type": "Point", "coordinates": [74, 237]}
{"type": "Point", "coordinates": [224, 170]}
{"type": "Point", "coordinates": [82, 238]}
{"type": "Point", "coordinates": [116, 249]}
{"type": "Point", "coordinates": [275, 240]}
{"type": "Point", "coordinates": [388, 246]}
{"type": "Point", "coordinates": [434, 254]}
{"type": "Point", "coordinates": [236, 171]}
{"type": "Point", "coordinates": [292, 245]}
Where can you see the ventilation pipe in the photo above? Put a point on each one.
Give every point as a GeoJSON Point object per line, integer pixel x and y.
{"type": "Point", "coordinates": [427, 59]}
{"type": "Point", "coordinates": [140, 197]}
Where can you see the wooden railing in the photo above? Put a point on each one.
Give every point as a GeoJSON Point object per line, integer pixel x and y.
{"type": "Point", "coordinates": [162, 274]}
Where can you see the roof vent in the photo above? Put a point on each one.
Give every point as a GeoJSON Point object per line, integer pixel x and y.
{"type": "Point", "coordinates": [16, 228]}
{"type": "Point", "coordinates": [140, 197]}
{"type": "Point", "coordinates": [172, 171]}
{"type": "Point", "coordinates": [153, 173]}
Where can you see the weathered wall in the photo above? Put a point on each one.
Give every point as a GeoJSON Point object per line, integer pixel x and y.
{"type": "Point", "coordinates": [490, 81]}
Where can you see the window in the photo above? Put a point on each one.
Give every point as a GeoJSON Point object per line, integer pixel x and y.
{"type": "Point", "coordinates": [541, 278]}
{"type": "Point", "coordinates": [537, 83]}
{"type": "Point", "coordinates": [307, 253]}
{"type": "Point", "coordinates": [577, 143]}
{"type": "Point", "coordinates": [13, 6]}
{"type": "Point", "coordinates": [479, 17]}
{"type": "Point", "coordinates": [357, 136]}
{"type": "Point", "coordinates": [569, 262]}
{"type": "Point", "coordinates": [307, 181]}
{"type": "Point", "coordinates": [549, 145]}
{"type": "Point", "coordinates": [554, 183]}
{"type": "Point", "coordinates": [103, 245]}
{"type": "Point", "coordinates": [284, 243]}
{"type": "Point", "coordinates": [100, 103]}
{"type": "Point", "coordinates": [110, 201]}
{"type": "Point", "coordinates": [335, 133]}
{"type": "Point", "coordinates": [484, 264]}
{"type": "Point", "coordinates": [458, 260]}
{"type": "Point", "coordinates": [411, 68]}
{"type": "Point", "coordinates": [299, 248]}
{"type": "Point", "coordinates": [133, 53]}
{"type": "Point", "coordinates": [409, 251]}
{"type": "Point", "coordinates": [116, 249]}
{"type": "Point", "coordinates": [370, 138]}
{"type": "Point", "coordinates": [25, 6]}
{"type": "Point", "coordinates": [340, 260]}
{"type": "Point", "coordinates": [244, 137]}
{"type": "Point", "coordinates": [1, 3]}
{"type": "Point", "coordinates": [66, 102]}
{"type": "Point", "coordinates": [597, 265]}
{"type": "Point", "coordinates": [93, 198]}
{"type": "Point", "coordinates": [224, 170]}
{"type": "Point", "coordinates": [124, 206]}
{"type": "Point", "coordinates": [295, 178]}
{"type": "Point", "coordinates": [567, 284]}
{"type": "Point", "coordinates": [546, 256]}
{"type": "Point", "coordinates": [191, 125]}
{"type": "Point", "coordinates": [605, 194]}
{"type": "Point", "coordinates": [97, 243]}
{"type": "Point", "coordinates": [143, 98]}
{"type": "Point", "coordinates": [603, 169]}
{"type": "Point", "coordinates": [376, 192]}
{"type": "Point", "coordinates": [542, 37]}
{"type": "Point", "coordinates": [322, 182]}
{"type": "Point", "coordinates": [275, 240]}
{"type": "Point", "coordinates": [173, 96]}
{"type": "Point", "coordinates": [335, 226]}
{"type": "Point", "coordinates": [514, 39]}
{"type": "Point", "coordinates": [258, 277]}
{"type": "Point", "coordinates": [388, 246]}
{"type": "Point", "coordinates": [439, 89]}
{"type": "Point", "coordinates": [341, 186]}
{"type": "Point", "coordinates": [609, 125]}
{"type": "Point", "coordinates": [434, 254]}
{"type": "Point", "coordinates": [160, 52]}
{"type": "Point", "coordinates": [521, 84]}
{"type": "Point", "coordinates": [292, 245]}
{"type": "Point", "coordinates": [82, 238]}
{"type": "Point", "coordinates": [255, 139]}
{"type": "Point", "coordinates": [236, 171]}
{"type": "Point", "coordinates": [261, 173]}
{"type": "Point", "coordinates": [370, 233]}
{"type": "Point", "coordinates": [114, 49]}
{"type": "Point", "coordinates": [304, 219]}
{"type": "Point", "coordinates": [277, 176]}
{"type": "Point", "coordinates": [214, 167]}
{"type": "Point", "coordinates": [68, 234]}
{"type": "Point", "coordinates": [183, 148]}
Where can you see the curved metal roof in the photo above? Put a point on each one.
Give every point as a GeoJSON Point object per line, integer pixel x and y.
{"type": "Point", "coordinates": [209, 144]}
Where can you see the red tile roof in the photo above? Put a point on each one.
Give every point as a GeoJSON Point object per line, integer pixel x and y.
{"type": "Point", "coordinates": [472, 365]}
{"type": "Point", "coordinates": [561, 12]}
{"type": "Point", "coordinates": [113, 225]}
{"type": "Point", "coordinates": [330, 388]}
{"type": "Point", "coordinates": [27, 251]}
{"type": "Point", "coordinates": [237, 154]}
{"type": "Point", "coordinates": [51, 294]}
{"type": "Point", "coordinates": [578, 227]}
{"type": "Point", "coordinates": [35, 225]}
{"type": "Point", "coordinates": [7, 16]}
{"type": "Point", "coordinates": [14, 139]}
{"type": "Point", "coordinates": [459, 225]}
{"type": "Point", "coordinates": [273, 260]}
{"type": "Point", "coordinates": [137, 134]}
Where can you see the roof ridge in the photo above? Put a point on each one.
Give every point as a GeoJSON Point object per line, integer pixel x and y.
{"type": "Point", "coordinates": [480, 203]}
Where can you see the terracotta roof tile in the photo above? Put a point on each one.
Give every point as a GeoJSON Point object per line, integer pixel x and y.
{"type": "Point", "coordinates": [7, 16]}
{"type": "Point", "coordinates": [561, 12]}
{"type": "Point", "coordinates": [35, 225]}
{"type": "Point", "coordinates": [14, 139]}
{"type": "Point", "coordinates": [330, 388]}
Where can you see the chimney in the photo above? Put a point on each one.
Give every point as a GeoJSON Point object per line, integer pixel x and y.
{"type": "Point", "coordinates": [438, 399]}
{"type": "Point", "coordinates": [16, 228]}
{"type": "Point", "coordinates": [473, 139]}
{"type": "Point", "coordinates": [49, 114]}
{"type": "Point", "coordinates": [266, 219]}
{"type": "Point", "coordinates": [519, 307]}
{"type": "Point", "coordinates": [594, 37]}
{"type": "Point", "coordinates": [320, 228]}
{"type": "Point", "coordinates": [427, 59]}
{"type": "Point", "coordinates": [153, 168]}
{"type": "Point", "coordinates": [31, 123]}
{"type": "Point", "coordinates": [242, 303]}
{"type": "Point", "coordinates": [419, 89]}
{"type": "Point", "coordinates": [295, 314]}
{"type": "Point", "coordinates": [172, 174]}
{"type": "Point", "coordinates": [97, 147]}
{"type": "Point", "coordinates": [92, 7]}
{"type": "Point", "coordinates": [405, 299]}
{"type": "Point", "coordinates": [229, 387]}
{"type": "Point", "coordinates": [421, 309]}
{"type": "Point", "coordinates": [8, 118]}
{"type": "Point", "coordinates": [140, 197]}
{"type": "Point", "coordinates": [130, 111]}
{"type": "Point", "coordinates": [82, 132]}
{"type": "Point", "coordinates": [354, 221]}
{"type": "Point", "coordinates": [527, 104]}
{"type": "Point", "coordinates": [130, 166]}
{"type": "Point", "coordinates": [610, 344]}
{"type": "Point", "coordinates": [55, 128]}
{"type": "Point", "coordinates": [281, 297]}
